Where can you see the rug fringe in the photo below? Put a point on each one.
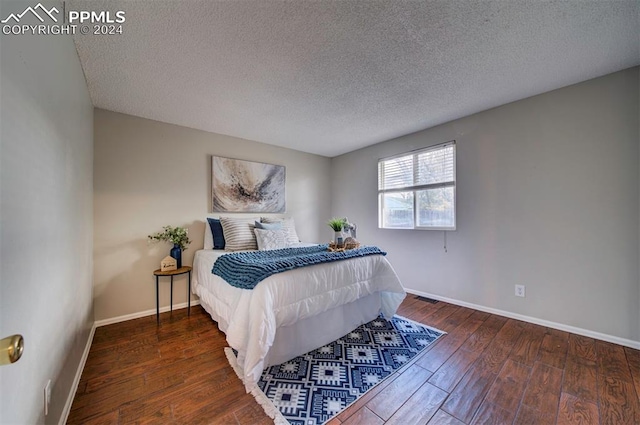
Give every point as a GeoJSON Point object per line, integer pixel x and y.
{"type": "Point", "coordinates": [267, 405]}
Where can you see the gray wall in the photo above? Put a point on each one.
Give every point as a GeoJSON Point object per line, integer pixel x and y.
{"type": "Point", "coordinates": [46, 188]}
{"type": "Point", "coordinates": [150, 174]}
{"type": "Point", "coordinates": [548, 197]}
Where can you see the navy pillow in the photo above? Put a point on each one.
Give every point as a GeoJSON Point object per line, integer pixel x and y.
{"type": "Point", "coordinates": [216, 230]}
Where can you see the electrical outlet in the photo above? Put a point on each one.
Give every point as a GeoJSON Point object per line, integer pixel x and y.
{"type": "Point", "coordinates": [520, 291]}
{"type": "Point", "coordinates": [47, 397]}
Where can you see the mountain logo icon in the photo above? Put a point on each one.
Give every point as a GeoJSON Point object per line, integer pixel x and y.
{"type": "Point", "coordinates": [34, 12]}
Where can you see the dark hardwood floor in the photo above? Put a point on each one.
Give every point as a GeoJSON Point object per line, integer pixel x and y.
{"type": "Point", "coordinates": [487, 370]}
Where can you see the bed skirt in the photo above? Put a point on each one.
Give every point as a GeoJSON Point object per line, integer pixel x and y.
{"type": "Point", "coordinates": [314, 332]}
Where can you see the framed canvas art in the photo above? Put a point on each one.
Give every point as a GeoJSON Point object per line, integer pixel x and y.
{"type": "Point", "coordinates": [246, 186]}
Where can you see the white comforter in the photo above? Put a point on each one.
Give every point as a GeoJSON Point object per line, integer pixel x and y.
{"type": "Point", "coordinates": [249, 318]}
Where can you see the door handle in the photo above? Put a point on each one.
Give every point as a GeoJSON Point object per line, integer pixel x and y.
{"type": "Point", "coordinates": [11, 349]}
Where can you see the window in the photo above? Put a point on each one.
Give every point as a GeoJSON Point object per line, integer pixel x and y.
{"type": "Point", "coordinates": [417, 190]}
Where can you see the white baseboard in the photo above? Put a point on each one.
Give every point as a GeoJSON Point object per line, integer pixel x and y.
{"type": "Point", "coordinates": [140, 314]}
{"type": "Point", "coordinates": [76, 380]}
{"type": "Point", "coordinates": [579, 331]}
{"type": "Point", "coordinates": [87, 348]}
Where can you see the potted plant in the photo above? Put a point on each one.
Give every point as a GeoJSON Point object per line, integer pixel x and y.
{"type": "Point", "coordinates": [178, 236]}
{"type": "Point", "coordinates": [337, 224]}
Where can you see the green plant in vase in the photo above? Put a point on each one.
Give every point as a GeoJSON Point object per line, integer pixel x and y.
{"type": "Point", "coordinates": [337, 224]}
{"type": "Point", "coordinates": [178, 236]}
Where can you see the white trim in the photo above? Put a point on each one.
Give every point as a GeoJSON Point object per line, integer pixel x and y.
{"type": "Point", "coordinates": [579, 331]}
{"type": "Point", "coordinates": [414, 187]}
{"type": "Point", "coordinates": [87, 348]}
{"type": "Point", "coordinates": [145, 313]}
{"type": "Point", "coordinates": [76, 380]}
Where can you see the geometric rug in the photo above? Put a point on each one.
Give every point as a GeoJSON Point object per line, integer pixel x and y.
{"type": "Point", "coordinates": [313, 388]}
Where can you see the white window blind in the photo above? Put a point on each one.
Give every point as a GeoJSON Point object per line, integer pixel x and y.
{"type": "Point", "coordinates": [417, 190]}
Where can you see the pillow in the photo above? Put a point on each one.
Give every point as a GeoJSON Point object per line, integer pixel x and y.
{"type": "Point", "coordinates": [238, 234]}
{"type": "Point", "coordinates": [271, 239]}
{"type": "Point", "coordinates": [288, 224]}
{"type": "Point", "coordinates": [216, 232]}
{"type": "Point", "coordinates": [269, 226]}
{"type": "Point", "coordinates": [208, 235]}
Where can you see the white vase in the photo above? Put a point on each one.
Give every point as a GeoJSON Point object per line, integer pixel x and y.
{"type": "Point", "coordinates": [338, 238]}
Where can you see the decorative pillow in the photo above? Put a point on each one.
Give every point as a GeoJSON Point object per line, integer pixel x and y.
{"type": "Point", "coordinates": [271, 239]}
{"type": "Point", "coordinates": [216, 232]}
{"type": "Point", "coordinates": [238, 234]}
{"type": "Point", "coordinates": [208, 235]}
{"type": "Point", "coordinates": [288, 224]}
{"type": "Point", "coordinates": [269, 226]}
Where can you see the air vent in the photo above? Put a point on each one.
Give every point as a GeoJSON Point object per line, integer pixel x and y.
{"type": "Point", "coordinates": [429, 300]}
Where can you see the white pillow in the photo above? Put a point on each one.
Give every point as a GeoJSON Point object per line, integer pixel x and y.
{"type": "Point", "coordinates": [271, 239]}
{"type": "Point", "coordinates": [208, 235]}
{"type": "Point", "coordinates": [238, 234]}
{"type": "Point", "coordinates": [288, 224]}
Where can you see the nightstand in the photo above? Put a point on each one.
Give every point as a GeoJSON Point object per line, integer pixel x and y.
{"type": "Point", "coordinates": [171, 273]}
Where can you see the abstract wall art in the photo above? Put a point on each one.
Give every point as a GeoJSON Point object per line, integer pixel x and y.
{"type": "Point", "coordinates": [246, 186]}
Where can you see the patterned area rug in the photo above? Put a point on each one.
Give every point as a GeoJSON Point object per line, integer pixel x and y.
{"type": "Point", "coordinates": [315, 387]}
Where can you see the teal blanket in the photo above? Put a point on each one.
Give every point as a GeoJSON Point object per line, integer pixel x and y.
{"type": "Point", "coordinates": [246, 269]}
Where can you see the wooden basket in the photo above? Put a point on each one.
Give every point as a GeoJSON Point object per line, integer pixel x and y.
{"type": "Point", "coordinates": [349, 243]}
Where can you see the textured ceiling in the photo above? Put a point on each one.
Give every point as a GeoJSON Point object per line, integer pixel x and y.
{"type": "Point", "coordinates": [329, 77]}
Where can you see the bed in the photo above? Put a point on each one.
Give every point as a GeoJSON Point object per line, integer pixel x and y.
{"type": "Point", "coordinates": [291, 313]}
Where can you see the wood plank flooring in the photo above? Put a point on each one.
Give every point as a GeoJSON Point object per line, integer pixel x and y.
{"type": "Point", "coordinates": [487, 370]}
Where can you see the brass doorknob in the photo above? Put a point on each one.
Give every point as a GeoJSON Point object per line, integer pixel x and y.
{"type": "Point", "coordinates": [11, 349]}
